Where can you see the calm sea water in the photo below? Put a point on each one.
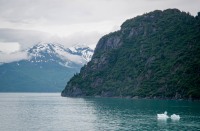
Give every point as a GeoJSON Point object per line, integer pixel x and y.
{"type": "Point", "coordinates": [50, 112]}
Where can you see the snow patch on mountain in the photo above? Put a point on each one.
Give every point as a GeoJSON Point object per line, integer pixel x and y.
{"type": "Point", "coordinates": [82, 50]}
{"type": "Point", "coordinates": [50, 52]}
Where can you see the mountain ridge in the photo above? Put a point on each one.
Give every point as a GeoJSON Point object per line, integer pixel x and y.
{"type": "Point", "coordinates": [47, 68]}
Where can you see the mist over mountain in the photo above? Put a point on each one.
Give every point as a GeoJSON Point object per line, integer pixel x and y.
{"type": "Point", "coordinates": [46, 67]}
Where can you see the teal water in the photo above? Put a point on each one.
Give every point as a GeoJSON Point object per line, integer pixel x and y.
{"type": "Point", "coordinates": [50, 112]}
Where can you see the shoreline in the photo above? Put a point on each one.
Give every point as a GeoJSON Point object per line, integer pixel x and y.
{"type": "Point", "coordinates": [133, 98]}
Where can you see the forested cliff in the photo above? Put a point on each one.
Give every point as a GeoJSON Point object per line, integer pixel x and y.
{"type": "Point", "coordinates": [155, 55]}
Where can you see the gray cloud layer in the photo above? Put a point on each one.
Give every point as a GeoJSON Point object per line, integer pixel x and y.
{"type": "Point", "coordinates": [27, 38]}
{"type": "Point", "coordinates": [74, 21]}
{"type": "Point", "coordinates": [79, 11]}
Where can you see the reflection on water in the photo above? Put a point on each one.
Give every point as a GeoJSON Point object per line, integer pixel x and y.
{"type": "Point", "coordinates": [44, 111]}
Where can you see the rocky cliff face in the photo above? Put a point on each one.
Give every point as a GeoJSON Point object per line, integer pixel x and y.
{"type": "Point", "coordinates": [153, 55]}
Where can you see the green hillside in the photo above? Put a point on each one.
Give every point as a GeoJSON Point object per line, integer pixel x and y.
{"type": "Point", "coordinates": [28, 77]}
{"type": "Point", "coordinates": [155, 55]}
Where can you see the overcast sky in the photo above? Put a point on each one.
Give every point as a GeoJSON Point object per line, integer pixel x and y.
{"type": "Point", "coordinates": [24, 23]}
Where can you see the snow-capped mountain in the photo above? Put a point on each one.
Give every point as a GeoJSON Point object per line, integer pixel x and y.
{"type": "Point", "coordinates": [69, 57]}
{"type": "Point", "coordinates": [46, 67]}
{"type": "Point", "coordinates": [83, 51]}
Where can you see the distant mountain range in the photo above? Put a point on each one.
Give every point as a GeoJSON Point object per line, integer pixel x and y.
{"type": "Point", "coordinates": [47, 68]}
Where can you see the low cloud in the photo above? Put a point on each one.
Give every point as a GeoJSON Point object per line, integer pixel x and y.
{"type": "Point", "coordinates": [17, 56]}
{"type": "Point", "coordinates": [9, 47]}
{"type": "Point", "coordinates": [13, 39]}
{"type": "Point", "coordinates": [25, 38]}
{"type": "Point", "coordinates": [86, 38]}
{"type": "Point", "coordinates": [14, 42]}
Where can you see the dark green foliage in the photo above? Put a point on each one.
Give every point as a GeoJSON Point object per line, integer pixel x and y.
{"type": "Point", "coordinates": [153, 55]}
